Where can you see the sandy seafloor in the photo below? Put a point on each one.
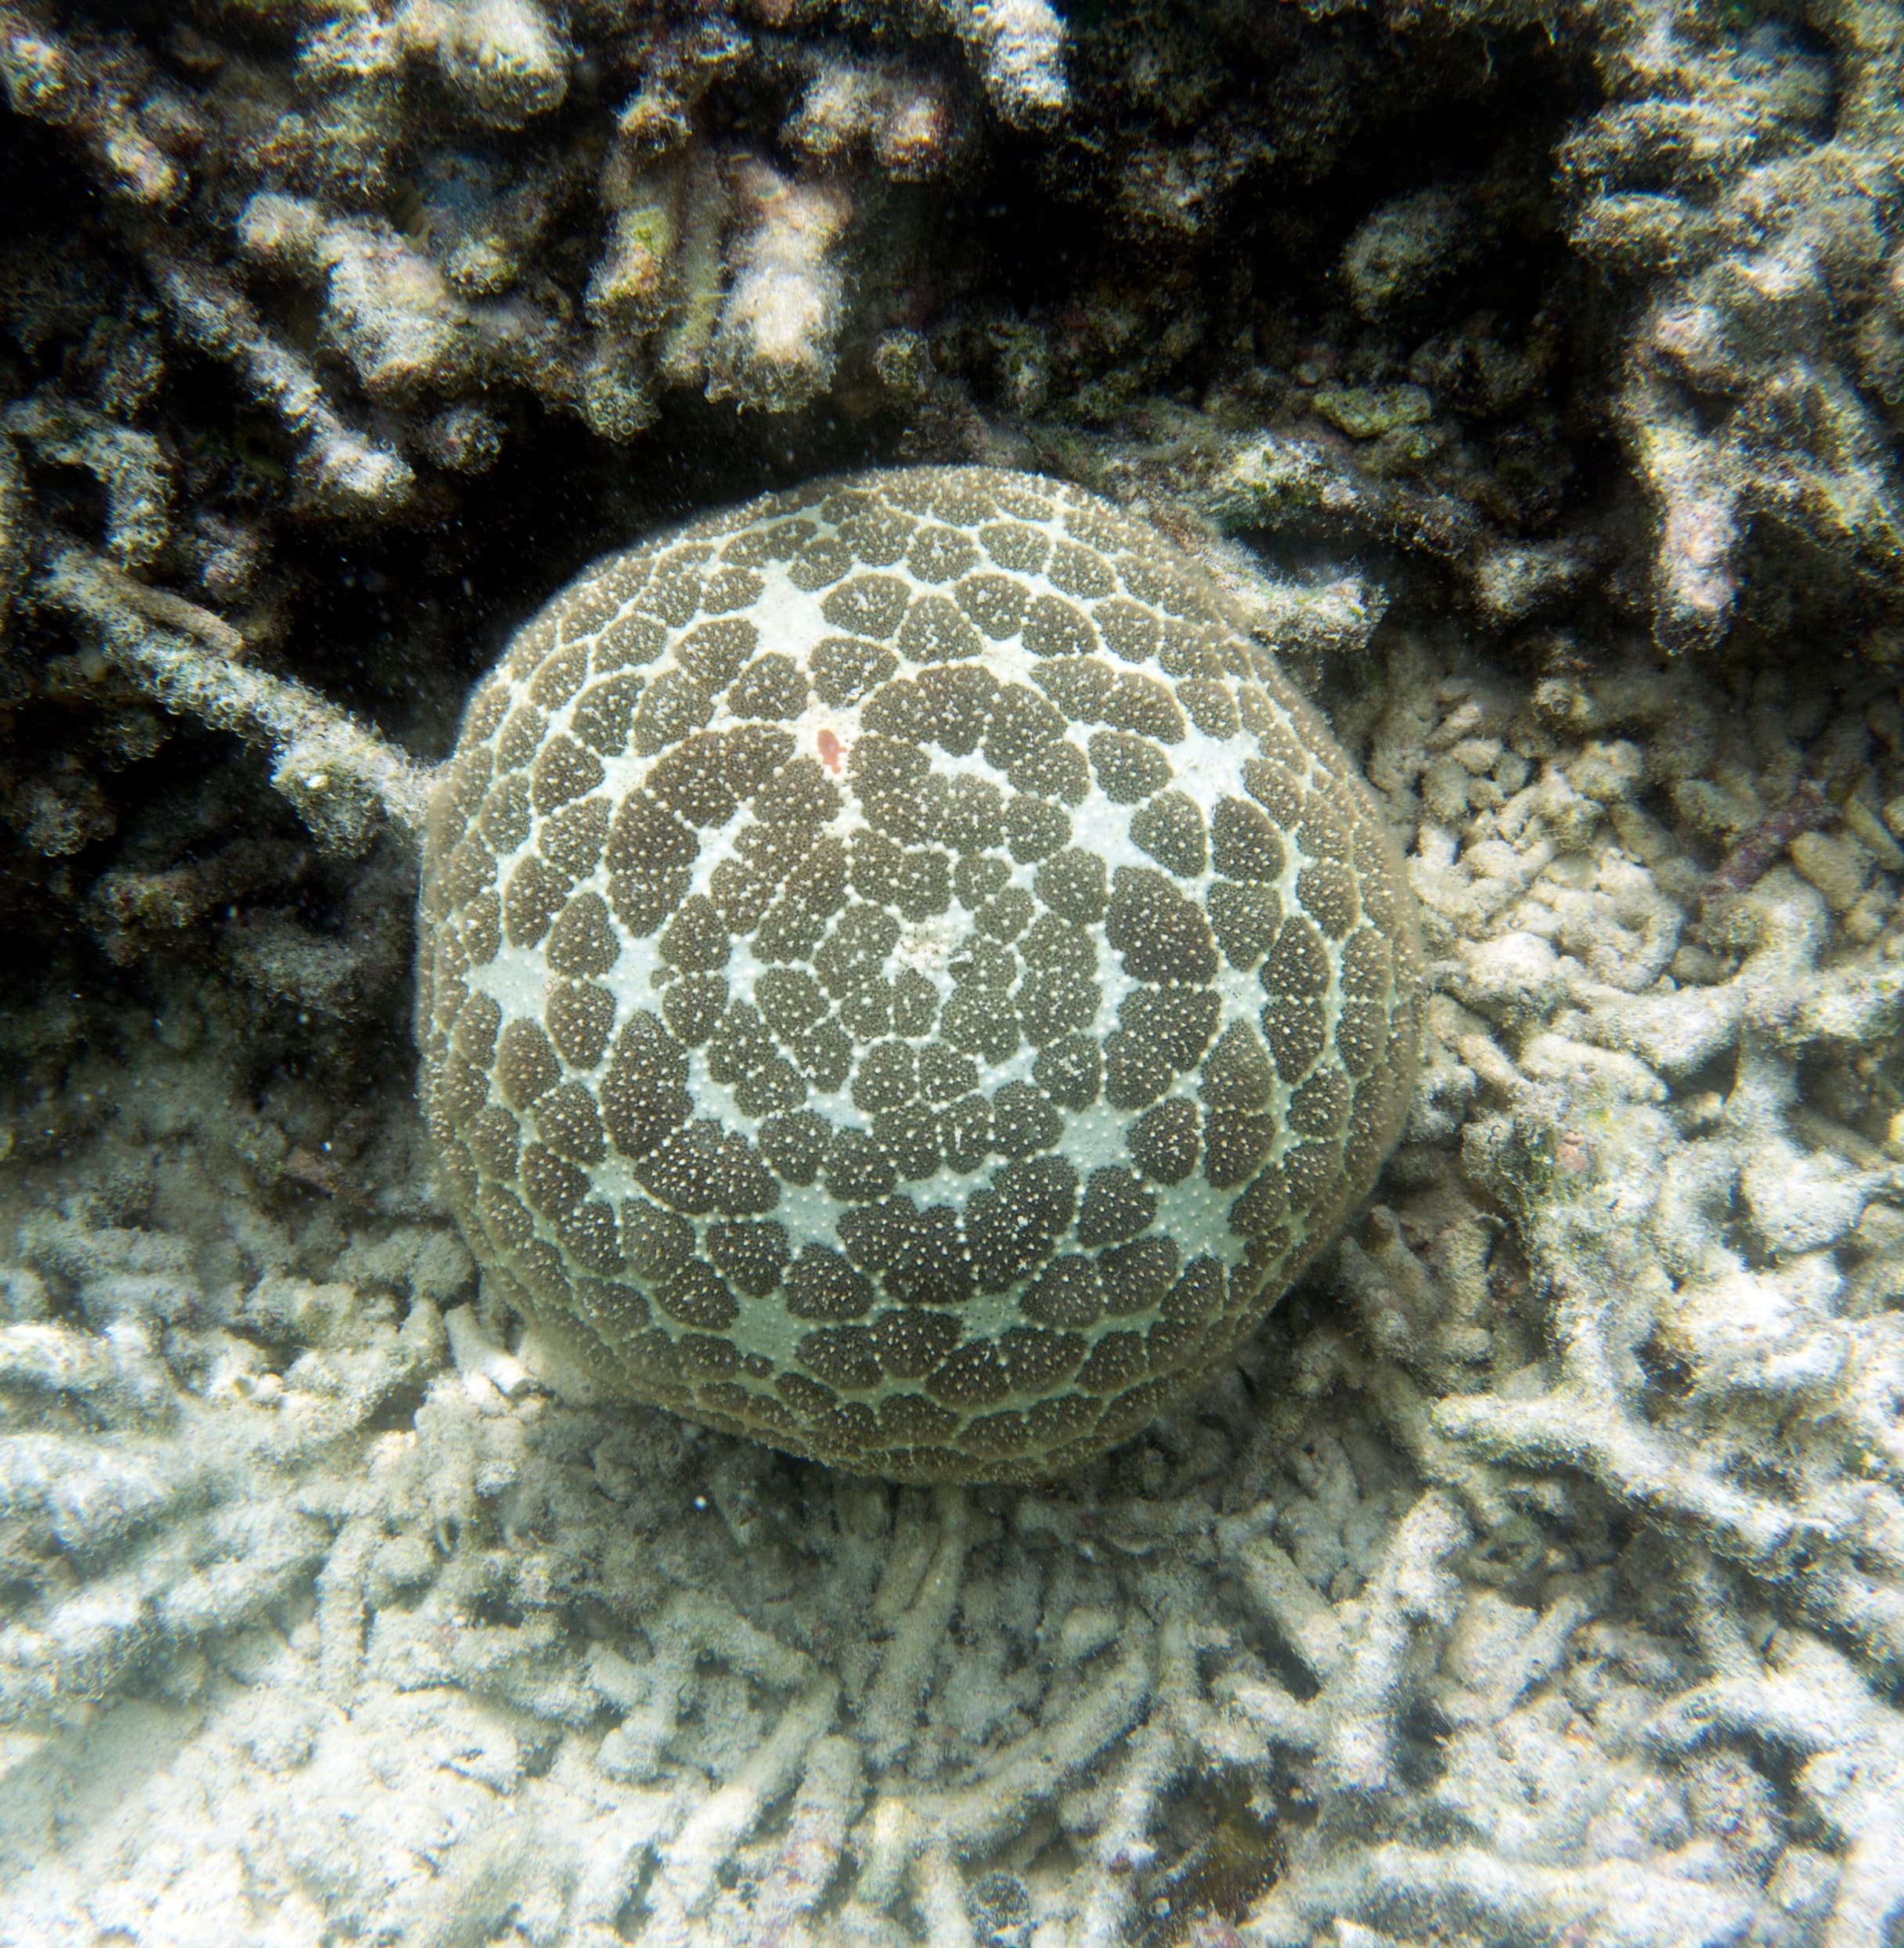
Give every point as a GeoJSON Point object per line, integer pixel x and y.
{"type": "Point", "coordinates": [1538, 1577]}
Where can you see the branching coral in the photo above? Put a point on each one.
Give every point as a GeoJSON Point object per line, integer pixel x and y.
{"type": "Point", "coordinates": [128, 466]}
{"type": "Point", "coordinates": [102, 93]}
{"type": "Point", "coordinates": [1766, 208]}
{"type": "Point", "coordinates": [12, 529]}
{"type": "Point", "coordinates": [1622, 1223]}
{"type": "Point", "coordinates": [370, 167]}
{"type": "Point", "coordinates": [342, 778]}
{"type": "Point", "coordinates": [140, 1522]}
{"type": "Point", "coordinates": [1020, 45]}
{"type": "Point", "coordinates": [338, 470]}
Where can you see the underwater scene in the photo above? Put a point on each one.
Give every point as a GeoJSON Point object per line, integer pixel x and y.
{"type": "Point", "coordinates": [950, 971]}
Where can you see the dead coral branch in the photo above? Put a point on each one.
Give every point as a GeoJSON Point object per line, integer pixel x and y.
{"type": "Point", "coordinates": [339, 777]}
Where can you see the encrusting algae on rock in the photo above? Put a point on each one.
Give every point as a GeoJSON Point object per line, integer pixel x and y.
{"type": "Point", "coordinates": [903, 977]}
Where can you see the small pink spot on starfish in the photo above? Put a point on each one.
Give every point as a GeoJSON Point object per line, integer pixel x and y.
{"type": "Point", "coordinates": [829, 752]}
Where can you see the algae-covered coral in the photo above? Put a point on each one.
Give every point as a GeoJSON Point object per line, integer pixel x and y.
{"type": "Point", "coordinates": [1525, 374]}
